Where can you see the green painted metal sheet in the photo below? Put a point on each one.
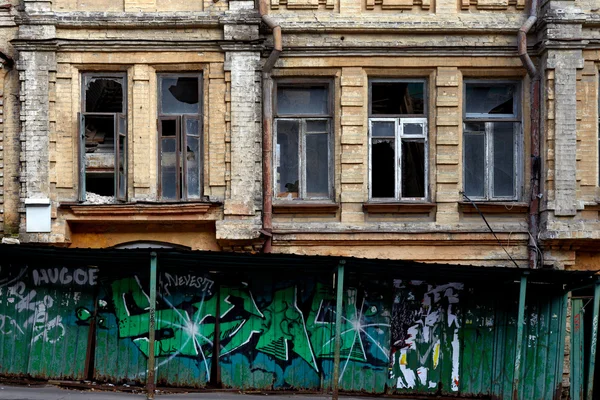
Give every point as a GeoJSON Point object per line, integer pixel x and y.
{"type": "Point", "coordinates": [44, 320]}
{"type": "Point", "coordinates": [184, 332]}
{"type": "Point", "coordinates": [577, 349]}
{"type": "Point", "coordinates": [122, 328]}
{"type": "Point", "coordinates": [489, 340]}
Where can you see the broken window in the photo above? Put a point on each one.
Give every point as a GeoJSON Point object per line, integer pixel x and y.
{"type": "Point", "coordinates": [397, 140]}
{"type": "Point", "coordinates": [103, 138]}
{"type": "Point", "coordinates": [491, 141]}
{"type": "Point", "coordinates": [180, 137]}
{"type": "Point", "coordinates": [303, 141]}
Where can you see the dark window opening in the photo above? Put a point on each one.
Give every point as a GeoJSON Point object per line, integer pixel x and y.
{"type": "Point", "coordinates": [102, 184]}
{"type": "Point", "coordinates": [413, 169]}
{"type": "Point", "coordinates": [397, 98]}
{"type": "Point", "coordinates": [383, 169]}
{"type": "Point", "coordinates": [104, 95]}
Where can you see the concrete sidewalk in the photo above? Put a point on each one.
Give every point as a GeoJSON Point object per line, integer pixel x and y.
{"type": "Point", "coordinates": [55, 393]}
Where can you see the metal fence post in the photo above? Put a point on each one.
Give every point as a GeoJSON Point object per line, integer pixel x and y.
{"type": "Point", "coordinates": [520, 331]}
{"type": "Point", "coordinates": [338, 328]}
{"type": "Point", "coordinates": [150, 376]}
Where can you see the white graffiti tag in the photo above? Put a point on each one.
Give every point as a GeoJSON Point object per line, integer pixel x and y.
{"type": "Point", "coordinates": [42, 327]}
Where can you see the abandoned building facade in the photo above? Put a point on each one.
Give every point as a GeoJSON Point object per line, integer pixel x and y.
{"type": "Point", "coordinates": [461, 135]}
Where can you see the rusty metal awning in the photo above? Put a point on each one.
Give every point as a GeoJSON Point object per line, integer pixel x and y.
{"type": "Point", "coordinates": [291, 264]}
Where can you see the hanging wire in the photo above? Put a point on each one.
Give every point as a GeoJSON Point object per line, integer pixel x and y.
{"type": "Point", "coordinates": [490, 228]}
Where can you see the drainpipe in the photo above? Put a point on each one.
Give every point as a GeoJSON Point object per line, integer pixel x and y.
{"type": "Point", "coordinates": [267, 118]}
{"type": "Point", "coordinates": [534, 200]}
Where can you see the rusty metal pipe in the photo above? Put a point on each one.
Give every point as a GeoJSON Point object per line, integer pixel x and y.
{"type": "Point", "coordinates": [534, 200]}
{"type": "Point", "coordinates": [267, 117]}
{"type": "Point", "coordinates": [522, 40]}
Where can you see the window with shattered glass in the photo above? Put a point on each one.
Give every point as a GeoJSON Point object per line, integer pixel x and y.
{"type": "Point", "coordinates": [103, 138]}
{"type": "Point", "coordinates": [180, 134]}
{"type": "Point", "coordinates": [492, 140]}
{"type": "Point", "coordinates": [303, 141]}
{"type": "Point", "coordinates": [397, 140]}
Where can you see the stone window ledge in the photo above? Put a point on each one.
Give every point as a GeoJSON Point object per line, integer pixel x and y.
{"type": "Point", "coordinates": [399, 208]}
{"type": "Point", "coordinates": [494, 207]}
{"type": "Point", "coordinates": [305, 208]}
{"type": "Point", "coordinates": [173, 212]}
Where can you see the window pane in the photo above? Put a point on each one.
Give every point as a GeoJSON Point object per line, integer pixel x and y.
{"type": "Point", "coordinates": [179, 95]}
{"type": "Point", "coordinates": [504, 159]}
{"type": "Point", "coordinates": [413, 129]}
{"type": "Point", "coordinates": [413, 169]}
{"type": "Point", "coordinates": [287, 159]}
{"type": "Point", "coordinates": [302, 100]}
{"type": "Point", "coordinates": [193, 158]}
{"type": "Point", "coordinates": [397, 98]}
{"type": "Point", "coordinates": [383, 128]}
{"type": "Point", "coordinates": [474, 160]}
{"type": "Point", "coordinates": [104, 95]}
{"type": "Point", "coordinates": [383, 169]}
{"type": "Point", "coordinates": [191, 126]}
{"type": "Point", "coordinates": [490, 99]}
{"type": "Point", "coordinates": [317, 165]}
{"type": "Point", "coordinates": [319, 126]}
{"type": "Point", "coordinates": [122, 170]}
{"type": "Point", "coordinates": [168, 165]}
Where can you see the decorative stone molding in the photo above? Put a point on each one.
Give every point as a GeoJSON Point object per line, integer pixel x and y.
{"type": "Point", "coordinates": [302, 4]}
{"type": "Point", "coordinates": [492, 4]}
{"type": "Point", "coordinates": [398, 4]}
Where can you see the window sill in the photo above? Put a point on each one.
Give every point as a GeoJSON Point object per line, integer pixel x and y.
{"type": "Point", "coordinates": [494, 207]}
{"type": "Point", "coordinates": [305, 208]}
{"type": "Point", "coordinates": [399, 208]}
{"type": "Point", "coordinates": [122, 212]}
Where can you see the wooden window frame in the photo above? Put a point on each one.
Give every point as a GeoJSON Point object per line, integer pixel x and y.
{"type": "Point", "coordinates": [181, 139]}
{"type": "Point", "coordinates": [489, 120]}
{"type": "Point", "coordinates": [399, 121]}
{"type": "Point", "coordinates": [302, 120]}
{"type": "Point", "coordinates": [118, 134]}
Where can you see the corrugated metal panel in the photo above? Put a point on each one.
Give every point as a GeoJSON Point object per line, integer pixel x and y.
{"type": "Point", "coordinates": [577, 349]}
{"type": "Point", "coordinates": [489, 338]}
{"type": "Point", "coordinates": [274, 332]}
{"type": "Point", "coordinates": [185, 321]}
{"type": "Point", "coordinates": [44, 320]}
{"type": "Point", "coordinates": [122, 328]}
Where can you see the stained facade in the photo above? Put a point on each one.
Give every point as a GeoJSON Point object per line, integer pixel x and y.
{"type": "Point", "coordinates": [449, 132]}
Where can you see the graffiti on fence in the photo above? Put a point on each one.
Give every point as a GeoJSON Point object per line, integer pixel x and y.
{"type": "Point", "coordinates": [426, 322]}
{"type": "Point", "coordinates": [29, 308]}
{"type": "Point", "coordinates": [290, 324]}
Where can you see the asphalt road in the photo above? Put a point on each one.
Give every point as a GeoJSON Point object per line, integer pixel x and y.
{"type": "Point", "coordinates": [55, 393]}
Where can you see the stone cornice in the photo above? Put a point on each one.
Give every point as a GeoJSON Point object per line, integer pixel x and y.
{"type": "Point", "coordinates": [80, 19]}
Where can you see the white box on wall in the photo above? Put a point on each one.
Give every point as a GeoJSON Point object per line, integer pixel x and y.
{"type": "Point", "coordinates": [37, 215]}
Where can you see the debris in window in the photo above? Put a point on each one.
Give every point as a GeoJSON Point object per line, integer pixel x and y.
{"type": "Point", "coordinates": [94, 198]}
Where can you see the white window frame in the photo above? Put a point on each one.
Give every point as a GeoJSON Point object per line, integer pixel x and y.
{"type": "Point", "coordinates": [398, 138]}
{"type": "Point", "coordinates": [489, 120]}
